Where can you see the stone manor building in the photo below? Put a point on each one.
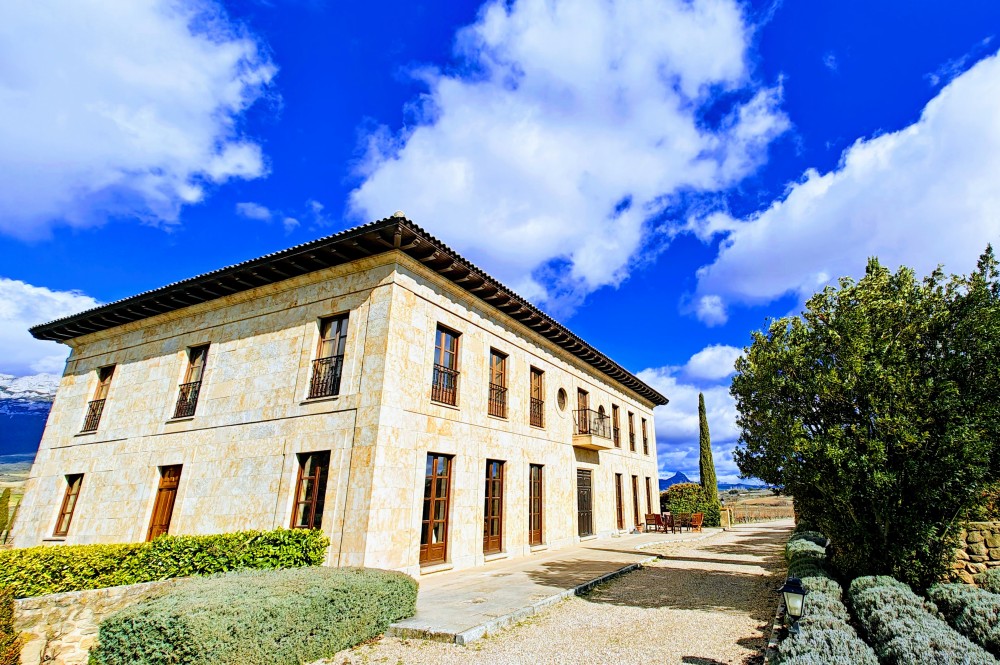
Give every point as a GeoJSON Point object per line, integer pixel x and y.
{"type": "Point", "coordinates": [372, 383]}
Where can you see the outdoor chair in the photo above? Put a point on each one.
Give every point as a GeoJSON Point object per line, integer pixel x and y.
{"type": "Point", "coordinates": [683, 520]}
{"type": "Point", "coordinates": [654, 521]}
{"type": "Point", "coordinates": [669, 523]}
{"type": "Point", "coordinates": [696, 521]}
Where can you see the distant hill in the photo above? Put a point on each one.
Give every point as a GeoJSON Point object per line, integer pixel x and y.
{"type": "Point", "coordinates": [673, 480]}
{"type": "Point", "coordinates": [24, 407]}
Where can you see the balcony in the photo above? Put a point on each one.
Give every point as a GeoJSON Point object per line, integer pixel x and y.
{"type": "Point", "coordinates": [94, 410]}
{"type": "Point", "coordinates": [444, 385]}
{"type": "Point", "coordinates": [592, 430]}
{"type": "Point", "coordinates": [498, 401]}
{"type": "Point", "coordinates": [326, 374]}
{"type": "Point", "coordinates": [537, 412]}
{"type": "Point", "coordinates": [187, 399]}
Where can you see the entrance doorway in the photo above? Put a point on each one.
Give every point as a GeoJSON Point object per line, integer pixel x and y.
{"type": "Point", "coordinates": [493, 508]}
{"type": "Point", "coordinates": [584, 503]}
{"type": "Point", "coordinates": [434, 528]}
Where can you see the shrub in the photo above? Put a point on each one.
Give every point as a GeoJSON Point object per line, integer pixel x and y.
{"type": "Point", "coordinates": [905, 629]}
{"type": "Point", "coordinates": [973, 612]}
{"type": "Point", "coordinates": [36, 571]}
{"type": "Point", "coordinates": [10, 641]}
{"type": "Point", "coordinates": [257, 618]}
{"type": "Point", "coordinates": [825, 636]}
{"type": "Point", "coordinates": [990, 580]}
{"type": "Point", "coordinates": [691, 498]}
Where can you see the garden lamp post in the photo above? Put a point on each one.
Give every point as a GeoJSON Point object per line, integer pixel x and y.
{"type": "Point", "coordinates": [795, 600]}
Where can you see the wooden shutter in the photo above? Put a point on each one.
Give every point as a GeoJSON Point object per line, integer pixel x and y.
{"type": "Point", "coordinates": [163, 507]}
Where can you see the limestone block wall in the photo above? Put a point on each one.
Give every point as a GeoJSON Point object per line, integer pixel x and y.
{"type": "Point", "coordinates": [59, 629]}
{"type": "Point", "coordinates": [978, 551]}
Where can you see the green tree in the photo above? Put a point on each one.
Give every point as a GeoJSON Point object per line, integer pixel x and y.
{"type": "Point", "coordinates": [4, 509]}
{"type": "Point", "coordinates": [706, 467]}
{"type": "Point", "coordinates": [878, 410]}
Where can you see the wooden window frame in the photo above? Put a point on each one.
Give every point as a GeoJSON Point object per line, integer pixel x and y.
{"type": "Point", "coordinates": [95, 407]}
{"type": "Point", "coordinates": [189, 392]}
{"type": "Point", "coordinates": [536, 397]}
{"type": "Point", "coordinates": [166, 495]}
{"type": "Point", "coordinates": [493, 493]}
{"type": "Point", "coordinates": [635, 500]}
{"type": "Point", "coordinates": [315, 505]}
{"type": "Point", "coordinates": [536, 493]}
{"type": "Point", "coordinates": [435, 553]}
{"type": "Point", "coordinates": [71, 496]}
{"type": "Point", "coordinates": [645, 438]}
{"type": "Point", "coordinates": [616, 426]}
{"type": "Point", "coordinates": [631, 431]}
{"type": "Point", "coordinates": [328, 365]}
{"type": "Point", "coordinates": [649, 496]}
{"type": "Point", "coordinates": [619, 507]}
{"type": "Point", "coordinates": [443, 375]}
{"type": "Point", "coordinates": [497, 398]}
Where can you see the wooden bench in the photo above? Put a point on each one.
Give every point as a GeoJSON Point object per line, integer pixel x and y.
{"type": "Point", "coordinates": [696, 521]}
{"type": "Point", "coordinates": [654, 521]}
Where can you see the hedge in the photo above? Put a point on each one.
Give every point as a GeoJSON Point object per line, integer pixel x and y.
{"type": "Point", "coordinates": [691, 498]}
{"type": "Point", "coordinates": [825, 635]}
{"type": "Point", "coordinates": [973, 612]}
{"type": "Point", "coordinates": [10, 641]}
{"type": "Point", "coordinates": [283, 617]}
{"type": "Point", "coordinates": [36, 571]}
{"type": "Point", "coordinates": [905, 629]}
{"type": "Point", "coordinates": [990, 580]}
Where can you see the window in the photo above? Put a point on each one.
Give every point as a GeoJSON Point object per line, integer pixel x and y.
{"type": "Point", "coordinates": [582, 412]}
{"type": "Point", "coordinates": [310, 490]}
{"type": "Point", "coordinates": [498, 384]}
{"type": "Point", "coordinates": [73, 484]}
{"type": "Point", "coordinates": [95, 407]}
{"type": "Point", "coordinates": [535, 508]}
{"type": "Point", "coordinates": [635, 500]}
{"type": "Point", "coordinates": [631, 431]}
{"type": "Point", "coordinates": [329, 363]}
{"type": "Point", "coordinates": [493, 508]}
{"type": "Point", "coordinates": [584, 503]}
{"type": "Point", "coordinates": [187, 395]}
{"type": "Point", "coordinates": [537, 403]}
{"type": "Point", "coordinates": [649, 496]}
{"type": "Point", "coordinates": [645, 438]}
{"type": "Point", "coordinates": [619, 510]}
{"type": "Point", "coordinates": [434, 527]}
{"type": "Point", "coordinates": [444, 384]}
{"type": "Point", "coordinates": [163, 507]}
{"type": "Point", "coordinates": [615, 426]}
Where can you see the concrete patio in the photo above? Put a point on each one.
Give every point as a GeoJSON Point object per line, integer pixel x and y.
{"type": "Point", "coordinates": [462, 606]}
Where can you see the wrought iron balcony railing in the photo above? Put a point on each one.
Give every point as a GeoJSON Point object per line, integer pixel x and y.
{"type": "Point", "coordinates": [326, 373]}
{"type": "Point", "coordinates": [498, 401]}
{"type": "Point", "coordinates": [187, 399]}
{"type": "Point", "coordinates": [444, 385]}
{"type": "Point", "coordinates": [94, 410]}
{"type": "Point", "coordinates": [592, 422]}
{"type": "Point", "coordinates": [537, 412]}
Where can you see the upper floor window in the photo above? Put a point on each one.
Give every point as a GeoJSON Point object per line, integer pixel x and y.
{"type": "Point", "coordinates": [329, 364]}
{"type": "Point", "coordinates": [73, 484]}
{"type": "Point", "coordinates": [187, 395]}
{"type": "Point", "coordinates": [444, 383]}
{"type": "Point", "coordinates": [645, 438]}
{"type": "Point", "coordinates": [537, 404]}
{"type": "Point", "coordinates": [310, 490]}
{"type": "Point", "coordinates": [631, 431]}
{"type": "Point", "coordinates": [616, 430]}
{"type": "Point", "coordinates": [498, 384]}
{"type": "Point", "coordinates": [95, 407]}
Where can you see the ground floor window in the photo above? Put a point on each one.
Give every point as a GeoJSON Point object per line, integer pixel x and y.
{"type": "Point", "coordinates": [635, 500]}
{"type": "Point", "coordinates": [493, 508]}
{"type": "Point", "coordinates": [584, 502]}
{"type": "Point", "coordinates": [619, 508]}
{"type": "Point", "coordinates": [163, 507]}
{"type": "Point", "coordinates": [310, 490]}
{"type": "Point", "coordinates": [434, 527]}
{"type": "Point", "coordinates": [73, 484]}
{"type": "Point", "coordinates": [535, 504]}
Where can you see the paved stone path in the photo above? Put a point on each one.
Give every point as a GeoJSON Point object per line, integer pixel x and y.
{"type": "Point", "coordinates": [705, 602]}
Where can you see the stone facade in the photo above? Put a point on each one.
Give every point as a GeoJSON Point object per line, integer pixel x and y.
{"type": "Point", "coordinates": [978, 551]}
{"type": "Point", "coordinates": [240, 451]}
{"type": "Point", "coordinates": [61, 628]}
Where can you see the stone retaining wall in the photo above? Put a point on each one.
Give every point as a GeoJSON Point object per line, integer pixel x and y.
{"type": "Point", "coordinates": [59, 629]}
{"type": "Point", "coordinates": [978, 551]}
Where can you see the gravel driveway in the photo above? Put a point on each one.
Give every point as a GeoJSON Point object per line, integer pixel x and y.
{"type": "Point", "coordinates": [704, 603]}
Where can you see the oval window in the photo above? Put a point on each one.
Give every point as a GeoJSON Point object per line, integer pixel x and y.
{"type": "Point", "coordinates": [561, 399]}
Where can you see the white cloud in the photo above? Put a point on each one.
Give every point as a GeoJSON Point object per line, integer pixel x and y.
{"type": "Point", "coordinates": [252, 210]}
{"type": "Point", "coordinates": [921, 196]}
{"type": "Point", "coordinates": [290, 224]}
{"type": "Point", "coordinates": [677, 426]}
{"type": "Point", "coordinates": [569, 126]}
{"type": "Point", "coordinates": [121, 108]}
{"type": "Point", "coordinates": [22, 306]}
{"type": "Point", "coordinates": [711, 310]}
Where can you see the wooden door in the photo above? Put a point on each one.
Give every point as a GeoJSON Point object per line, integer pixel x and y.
{"type": "Point", "coordinates": [493, 508]}
{"type": "Point", "coordinates": [163, 507]}
{"type": "Point", "coordinates": [619, 508]}
{"type": "Point", "coordinates": [535, 504]}
{"type": "Point", "coordinates": [434, 528]}
{"type": "Point", "coordinates": [635, 499]}
{"type": "Point", "coordinates": [584, 503]}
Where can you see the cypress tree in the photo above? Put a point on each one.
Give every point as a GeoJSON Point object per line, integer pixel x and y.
{"type": "Point", "coordinates": [706, 467]}
{"type": "Point", "coordinates": [4, 508]}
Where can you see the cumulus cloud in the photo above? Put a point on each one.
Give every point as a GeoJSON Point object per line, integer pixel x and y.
{"type": "Point", "coordinates": [924, 195]}
{"type": "Point", "coordinates": [677, 426]}
{"type": "Point", "coordinates": [121, 108]}
{"type": "Point", "coordinates": [252, 210]}
{"type": "Point", "coordinates": [24, 305]}
{"type": "Point", "coordinates": [565, 127]}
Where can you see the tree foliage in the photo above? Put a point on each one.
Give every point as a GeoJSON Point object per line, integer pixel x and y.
{"type": "Point", "coordinates": [878, 410]}
{"type": "Point", "coordinates": [706, 466]}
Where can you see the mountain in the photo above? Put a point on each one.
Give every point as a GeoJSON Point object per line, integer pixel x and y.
{"type": "Point", "coordinates": [673, 480]}
{"type": "Point", "coordinates": [24, 407]}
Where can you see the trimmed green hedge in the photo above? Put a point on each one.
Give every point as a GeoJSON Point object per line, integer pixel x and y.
{"type": "Point", "coordinates": [10, 641]}
{"type": "Point", "coordinates": [825, 635]}
{"type": "Point", "coordinates": [36, 571]}
{"type": "Point", "coordinates": [905, 629]}
{"type": "Point", "coordinates": [990, 580]}
{"type": "Point", "coordinates": [283, 617]}
{"type": "Point", "coordinates": [691, 498]}
{"type": "Point", "coordinates": [973, 612]}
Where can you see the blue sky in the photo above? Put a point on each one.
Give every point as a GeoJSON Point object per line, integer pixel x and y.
{"type": "Point", "coordinates": [661, 175]}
